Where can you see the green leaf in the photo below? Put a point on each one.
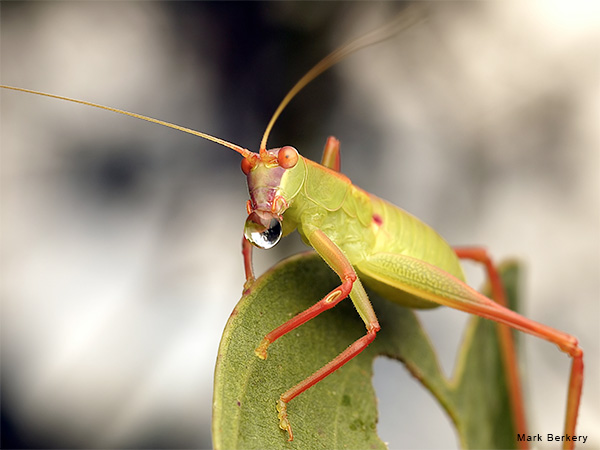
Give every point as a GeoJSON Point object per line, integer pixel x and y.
{"type": "Point", "coordinates": [340, 411]}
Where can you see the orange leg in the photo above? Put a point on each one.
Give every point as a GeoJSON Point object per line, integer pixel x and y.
{"type": "Point", "coordinates": [327, 302]}
{"type": "Point", "coordinates": [333, 365]}
{"type": "Point", "coordinates": [331, 154]}
{"type": "Point", "coordinates": [350, 285]}
{"type": "Point", "coordinates": [506, 338]}
{"type": "Point", "coordinates": [432, 283]}
{"type": "Point", "coordinates": [248, 269]}
{"type": "Point", "coordinates": [565, 342]}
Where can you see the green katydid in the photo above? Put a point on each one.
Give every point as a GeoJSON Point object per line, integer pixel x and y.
{"type": "Point", "coordinates": [364, 238]}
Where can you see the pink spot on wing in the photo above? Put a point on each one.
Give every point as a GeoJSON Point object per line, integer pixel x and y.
{"type": "Point", "coordinates": [377, 219]}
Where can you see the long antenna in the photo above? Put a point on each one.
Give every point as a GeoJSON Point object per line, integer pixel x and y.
{"type": "Point", "coordinates": [408, 17]}
{"type": "Point", "coordinates": [244, 152]}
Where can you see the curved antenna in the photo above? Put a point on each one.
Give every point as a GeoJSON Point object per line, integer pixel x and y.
{"type": "Point", "coordinates": [404, 20]}
{"type": "Point", "coordinates": [242, 151]}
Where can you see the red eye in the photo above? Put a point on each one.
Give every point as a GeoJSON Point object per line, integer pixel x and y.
{"type": "Point", "coordinates": [246, 166]}
{"type": "Point", "coordinates": [287, 157]}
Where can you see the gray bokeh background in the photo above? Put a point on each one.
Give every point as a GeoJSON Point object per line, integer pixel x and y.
{"type": "Point", "coordinates": [121, 239]}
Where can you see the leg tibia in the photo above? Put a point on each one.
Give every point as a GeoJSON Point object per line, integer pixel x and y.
{"type": "Point", "coordinates": [565, 342]}
{"type": "Point", "coordinates": [248, 269]}
{"type": "Point", "coordinates": [429, 282]}
{"type": "Point", "coordinates": [574, 395]}
{"type": "Point", "coordinates": [327, 302]}
{"type": "Point", "coordinates": [507, 345]}
{"type": "Point", "coordinates": [353, 350]}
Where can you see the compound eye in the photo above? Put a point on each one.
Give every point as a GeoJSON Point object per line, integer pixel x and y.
{"type": "Point", "coordinates": [287, 157]}
{"type": "Point", "coordinates": [246, 166]}
{"type": "Point", "coordinates": [263, 230]}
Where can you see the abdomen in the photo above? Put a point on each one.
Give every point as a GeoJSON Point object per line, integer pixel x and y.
{"type": "Point", "coordinates": [398, 232]}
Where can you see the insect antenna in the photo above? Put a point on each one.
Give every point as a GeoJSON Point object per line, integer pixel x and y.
{"type": "Point", "coordinates": [407, 18]}
{"type": "Point", "coordinates": [242, 151]}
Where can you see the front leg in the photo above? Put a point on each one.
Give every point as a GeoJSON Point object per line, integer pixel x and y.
{"type": "Point", "coordinates": [248, 269]}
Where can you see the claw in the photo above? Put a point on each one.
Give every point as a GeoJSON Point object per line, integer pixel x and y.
{"type": "Point", "coordinates": [284, 423]}
{"type": "Point", "coordinates": [261, 350]}
{"type": "Point", "coordinates": [247, 285]}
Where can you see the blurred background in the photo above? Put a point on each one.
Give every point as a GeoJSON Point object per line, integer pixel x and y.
{"type": "Point", "coordinates": [121, 239]}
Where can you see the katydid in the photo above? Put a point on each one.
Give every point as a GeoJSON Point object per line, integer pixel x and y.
{"type": "Point", "coordinates": [365, 240]}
